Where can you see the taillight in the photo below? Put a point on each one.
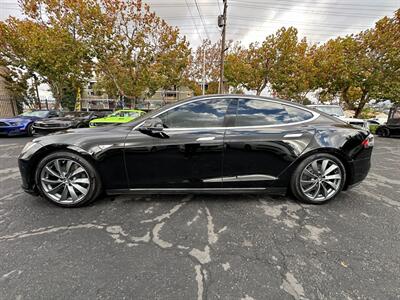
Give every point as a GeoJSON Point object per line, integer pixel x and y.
{"type": "Point", "coordinates": [368, 142]}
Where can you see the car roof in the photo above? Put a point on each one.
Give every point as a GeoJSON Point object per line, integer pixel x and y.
{"type": "Point", "coordinates": [129, 110]}
{"type": "Point", "coordinates": [238, 96]}
{"type": "Point", "coordinates": [331, 105]}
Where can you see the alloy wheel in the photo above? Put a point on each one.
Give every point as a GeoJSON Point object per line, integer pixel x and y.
{"type": "Point", "coordinates": [321, 179]}
{"type": "Point", "coordinates": [65, 181]}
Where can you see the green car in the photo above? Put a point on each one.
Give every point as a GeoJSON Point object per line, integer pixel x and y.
{"type": "Point", "coordinates": [118, 117]}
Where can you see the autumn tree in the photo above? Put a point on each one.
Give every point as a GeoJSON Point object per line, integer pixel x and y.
{"type": "Point", "coordinates": [46, 53]}
{"type": "Point", "coordinates": [133, 50]}
{"type": "Point", "coordinates": [361, 67]}
{"type": "Point", "coordinates": [292, 71]}
{"type": "Point", "coordinates": [248, 68]}
{"type": "Point", "coordinates": [281, 62]}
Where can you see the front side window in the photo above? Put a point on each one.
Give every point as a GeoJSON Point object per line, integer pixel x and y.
{"type": "Point", "coordinates": [198, 114]}
{"type": "Point", "coordinates": [253, 112]}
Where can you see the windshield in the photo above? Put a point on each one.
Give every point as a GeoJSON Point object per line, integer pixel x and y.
{"type": "Point", "coordinates": [37, 113]}
{"type": "Point", "coordinates": [125, 114]}
{"type": "Point", "coordinates": [76, 114]}
{"type": "Point", "coordinates": [331, 110]}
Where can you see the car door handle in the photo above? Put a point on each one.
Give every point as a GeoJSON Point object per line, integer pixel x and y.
{"type": "Point", "coordinates": [206, 138]}
{"type": "Point", "coordinates": [292, 135]}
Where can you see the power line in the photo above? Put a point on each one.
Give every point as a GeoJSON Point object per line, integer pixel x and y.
{"type": "Point", "coordinates": [201, 18]}
{"type": "Point", "coordinates": [194, 23]}
{"type": "Point", "coordinates": [219, 7]}
{"type": "Point", "coordinates": [314, 3]}
{"type": "Point", "coordinates": [301, 10]}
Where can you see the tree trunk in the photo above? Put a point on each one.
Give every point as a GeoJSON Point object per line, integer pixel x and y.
{"type": "Point", "coordinates": [346, 99]}
{"type": "Point", "coordinates": [37, 91]}
{"type": "Point", "coordinates": [364, 99]}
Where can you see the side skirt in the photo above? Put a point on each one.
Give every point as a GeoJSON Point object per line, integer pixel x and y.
{"type": "Point", "coordinates": [271, 190]}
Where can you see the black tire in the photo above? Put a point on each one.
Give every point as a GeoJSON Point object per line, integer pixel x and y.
{"type": "Point", "coordinates": [29, 130]}
{"type": "Point", "coordinates": [295, 184]}
{"type": "Point", "coordinates": [81, 125]}
{"type": "Point", "coordinates": [95, 186]}
{"type": "Point", "coordinates": [383, 132]}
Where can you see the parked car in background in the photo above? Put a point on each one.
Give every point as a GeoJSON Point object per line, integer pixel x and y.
{"type": "Point", "coordinates": [66, 120]}
{"type": "Point", "coordinates": [337, 111]}
{"type": "Point", "coordinates": [23, 123]}
{"type": "Point", "coordinates": [208, 144]}
{"type": "Point", "coordinates": [392, 126]}
{"type": "Point", "coordinates": [119, 117]}
{"type": "Point", "coordinates": [149, 105]}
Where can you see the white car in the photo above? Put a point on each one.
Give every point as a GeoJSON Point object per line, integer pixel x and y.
{"type": "Point", "coordinates": [337, 111]}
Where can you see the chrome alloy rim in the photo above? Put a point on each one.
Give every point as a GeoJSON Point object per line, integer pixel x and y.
{"type": "Point", "coordinates": [65, 181]}
{"type": "Point", "coordinates": [321, 179]}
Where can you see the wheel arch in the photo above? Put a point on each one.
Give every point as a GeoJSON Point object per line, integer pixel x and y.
{"type": "Point", "coordinates": [46, 150]}
{"type": "Point", "coordinates": [332, 151]}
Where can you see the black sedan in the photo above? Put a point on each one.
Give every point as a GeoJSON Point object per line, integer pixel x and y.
{"type": "Point", "coordinates": [66, 120]}
{"type": "Point", "coordinates": [213, 144]}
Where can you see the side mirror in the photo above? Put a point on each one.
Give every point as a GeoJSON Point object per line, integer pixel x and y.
{"type": "Point", "coordinates": [152, 125]}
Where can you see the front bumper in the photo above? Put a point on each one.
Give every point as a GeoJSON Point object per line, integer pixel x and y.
{"type": "Point", "coordinates": [46, 130]}
{"type": "Point", "coordinates": [12, 130]}
{"type": "Point", "coordinates": [28, 184]}
{"type": "Point", "coordinates": [101, 124]}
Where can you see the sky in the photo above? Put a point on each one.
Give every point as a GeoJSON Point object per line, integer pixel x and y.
{"type": "Point", "coordinates": [252, 20]}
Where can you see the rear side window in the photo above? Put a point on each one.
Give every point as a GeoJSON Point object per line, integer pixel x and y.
{"type": "Point", "coordinates": [253, 112]}
{"type": "Point", "coordinates": [298, 114]}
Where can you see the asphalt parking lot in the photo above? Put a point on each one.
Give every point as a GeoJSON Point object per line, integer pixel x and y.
{"type": "Point", "coordinates": [203, 247]}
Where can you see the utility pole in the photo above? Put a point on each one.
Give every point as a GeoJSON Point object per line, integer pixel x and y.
{"type": "Point", "coordinates": [222, 23]}
{"type": "Point", "coordinates": [204, 70]}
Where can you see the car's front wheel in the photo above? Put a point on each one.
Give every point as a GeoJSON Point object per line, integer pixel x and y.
{"type": "Point", "coordinates": [318, 178]}
{"type": "Point", "coordinates": [67, 179]}
{"type": "Point", "coordinates": [30, 130]}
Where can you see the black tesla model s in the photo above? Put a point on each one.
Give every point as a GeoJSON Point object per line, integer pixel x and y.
{"type": "Point", "coordinates": [209, 144]}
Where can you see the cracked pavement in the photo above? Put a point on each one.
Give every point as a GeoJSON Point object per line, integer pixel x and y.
{"type": "Point", "coordinates": [203, 246]}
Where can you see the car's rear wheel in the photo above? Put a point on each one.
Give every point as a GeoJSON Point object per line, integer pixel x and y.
{"type": "Point", "coordinates": [383, 132]}
{"type": "Point", "coordinates": [67, 179]}
{"type": "Point", "coordinates": [318, 179]}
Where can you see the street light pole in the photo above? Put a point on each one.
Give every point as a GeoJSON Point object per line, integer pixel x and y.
{"type": "Point", "coordinates": [222, 23]}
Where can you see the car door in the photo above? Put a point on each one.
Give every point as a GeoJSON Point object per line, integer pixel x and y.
{"type": "Point", "coordinates": [187, 154]}
{"type": "Point", "coordinates": [262, 141]}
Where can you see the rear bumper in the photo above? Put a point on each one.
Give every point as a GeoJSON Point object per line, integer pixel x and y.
{"type": "Point", "coordinates": [358, 171]}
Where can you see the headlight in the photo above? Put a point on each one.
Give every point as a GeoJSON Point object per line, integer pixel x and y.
{"type": "Point", "coordinates": [16, 123]}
